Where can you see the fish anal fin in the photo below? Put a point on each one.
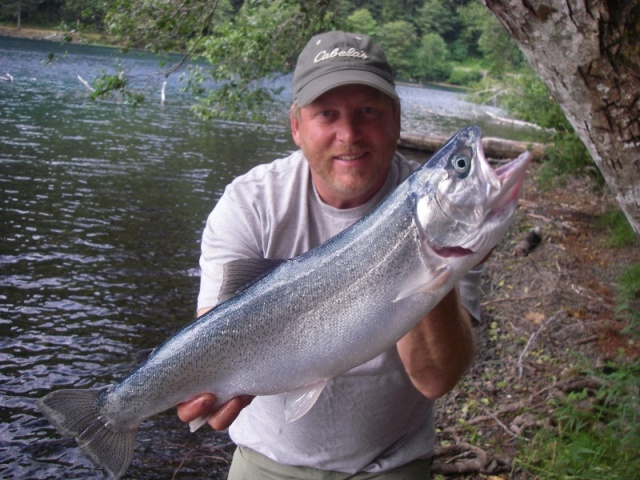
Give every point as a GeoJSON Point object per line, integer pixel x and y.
{"type": "Point", "coordinates": [243, 272]}
{"type": "Point", "coordinates": [197, 422]}
{"type": "Point", "coordinates": [299, 401]}
{"type": "Point", "coordinates": [418, 285]}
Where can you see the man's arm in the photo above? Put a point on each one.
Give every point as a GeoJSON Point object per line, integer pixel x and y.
{"type": "Point", "coordinates": [437, 351]}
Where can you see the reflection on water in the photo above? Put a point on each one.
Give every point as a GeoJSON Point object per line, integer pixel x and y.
{"type": "Point", "coordinates": [102, 211]}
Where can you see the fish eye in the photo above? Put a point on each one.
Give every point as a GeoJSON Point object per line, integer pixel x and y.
{"type": "Point", "coordinates": [461, 163]}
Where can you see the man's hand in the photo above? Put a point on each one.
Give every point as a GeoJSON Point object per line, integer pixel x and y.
{"type": "Point", "coordinates": [203, 405]}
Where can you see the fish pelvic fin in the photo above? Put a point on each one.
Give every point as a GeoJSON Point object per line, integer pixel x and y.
{"type": "Point", "coordinates": [299, 401]}
{"type": "Point", "coordinates": [75, 414]}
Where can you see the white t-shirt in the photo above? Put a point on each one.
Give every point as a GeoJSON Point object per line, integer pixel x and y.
{"type": "Point", "coordinates": [371, 418]}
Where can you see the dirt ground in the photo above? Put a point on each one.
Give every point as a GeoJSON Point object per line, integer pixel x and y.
{"type": "Point", "coordinates": [546, 315]}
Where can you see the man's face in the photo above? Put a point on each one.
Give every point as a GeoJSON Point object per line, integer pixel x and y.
{"type": "Point", "coordinates": [349, 136]}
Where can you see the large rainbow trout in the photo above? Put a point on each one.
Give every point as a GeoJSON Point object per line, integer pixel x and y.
{"type": "Point", "coordinates": [313, 317]}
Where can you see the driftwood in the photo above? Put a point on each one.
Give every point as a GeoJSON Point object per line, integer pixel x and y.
{"type": "Point", "coordinates": [464, 458]}
{"type": "Point", "coordinates": [493, 147]}
{"type": "Point", "coordinates": [86, 84]}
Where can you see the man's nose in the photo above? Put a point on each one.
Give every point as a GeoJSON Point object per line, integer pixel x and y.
{"type": "Point", "coordinates": [349, 129]}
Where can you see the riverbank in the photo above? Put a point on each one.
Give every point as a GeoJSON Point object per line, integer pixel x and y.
{"type": "Point", "coordinates": [54, 35]}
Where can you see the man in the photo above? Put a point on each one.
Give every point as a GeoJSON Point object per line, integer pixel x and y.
{"type": "Point", "coordinates": [375, 421]}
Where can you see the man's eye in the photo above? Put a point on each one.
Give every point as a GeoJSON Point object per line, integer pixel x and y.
{"type": "Point", "coordinates": [325, 114]}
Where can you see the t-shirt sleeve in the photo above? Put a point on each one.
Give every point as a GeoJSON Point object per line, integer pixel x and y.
{"type": "Point", "coordinates": [229, 234]}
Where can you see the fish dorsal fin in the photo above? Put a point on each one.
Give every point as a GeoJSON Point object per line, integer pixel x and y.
{"type": "Point", "coordinates": [240, 274]}
{"type": "Point", "coordinates": [299, 401]}
{"type": "Point", "coordinates": [419, 285]}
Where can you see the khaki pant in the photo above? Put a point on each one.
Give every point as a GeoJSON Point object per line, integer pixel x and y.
{"type": "Point", "coordinates": [250, 465]}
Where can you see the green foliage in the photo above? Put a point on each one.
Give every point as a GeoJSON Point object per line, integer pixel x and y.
{"type": "Point", "coordinates": [19, 11]}
{"type": "Point", "coordinates": [109, 85]}
{"type": "Point", "coordinates": [432, 59]}
{"type": "Point", "coordinates": [397, 39]}
{"type": "Point", "coordinates": [160, 26]}
{"type": "Point", "coordinates": [500, 52]}
{"type": "Point", "coordinates": [525, 96]}
{"type": "Point", "coordinates": [597, 433]}
{"type": "Point", "coordinates": [621, 232]}
{"type": "Point", "coordinates": [629, 288]}
{"type": "Point", "coordinates": [629, 300]}
{"type": "Point", "coordinates": [465, 76]}
{"type": "Point", "coordinates": [84, 14]}
{"type": "Point", "coordinates": [437, 16]}
{"type": "Point", "coordinates": [566, 155]}
{"type": "Point", "coordinates": [362, 21]}
{"type": "Point", "coordinates": [474, 18]}
{"type": "Point", "coordinates": [263, 40]}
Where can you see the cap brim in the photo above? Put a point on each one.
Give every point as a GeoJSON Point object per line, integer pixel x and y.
{"type": "Point", "coordinates": [331, 80]}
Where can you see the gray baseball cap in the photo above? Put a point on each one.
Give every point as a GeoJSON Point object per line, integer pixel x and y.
{"type": "Point", "coordinates": [333, 59]}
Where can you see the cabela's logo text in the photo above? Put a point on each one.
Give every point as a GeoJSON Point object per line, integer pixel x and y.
{"type": "Point", "coordinates": [336, 52]}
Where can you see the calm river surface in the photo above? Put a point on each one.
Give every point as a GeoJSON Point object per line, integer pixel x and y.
{"type": "Point", "coordinates": [102, 211]}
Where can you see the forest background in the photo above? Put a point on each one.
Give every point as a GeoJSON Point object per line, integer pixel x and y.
{"type": "Point", "coordinates": [457, 42]}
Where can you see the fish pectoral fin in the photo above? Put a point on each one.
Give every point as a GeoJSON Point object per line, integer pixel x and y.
{"type": "Point", "coordinates": [239, 274]}
{"type": "Point", "coordinates": [418, 285]}
{"type": "Point", "coordinates": [299, 401]}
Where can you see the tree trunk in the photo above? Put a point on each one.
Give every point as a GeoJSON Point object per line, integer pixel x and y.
{"type": "Point", "coordinates": [588, 54]}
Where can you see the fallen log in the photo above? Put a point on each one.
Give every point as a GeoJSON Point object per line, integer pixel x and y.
{"type": "Point", "coordinates": [493, 147]}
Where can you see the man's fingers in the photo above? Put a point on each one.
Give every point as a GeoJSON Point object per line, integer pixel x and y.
{"type": "Point", "coordinates": [198, 407]}
{"type": "Point", "coordinates": [224, 417]}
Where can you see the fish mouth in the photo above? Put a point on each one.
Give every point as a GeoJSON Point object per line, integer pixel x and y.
{"type": "Point", "coordinates": [453, 252]}
{"type": "Point", "coordinates": [511, 177]}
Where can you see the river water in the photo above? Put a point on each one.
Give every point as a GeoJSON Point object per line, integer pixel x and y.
{"type": "Point", "coordinates": [102, 211]}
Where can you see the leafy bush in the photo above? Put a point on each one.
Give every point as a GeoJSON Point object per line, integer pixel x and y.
{"type": "Point", "coordinates": [397, 39]}
{"type": "Point", "coordinates": [362, 21]}
{"type": "Point", "coordinates": [527, 97]}
{"type": "Point", "coordinates": [432, 59]}
{"type": "Point", "coordinates": [465, 76]}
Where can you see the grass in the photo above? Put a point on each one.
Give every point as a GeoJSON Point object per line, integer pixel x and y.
{"type": "Point", "coordinates": [596, 434]}
{"type": "Point", "coordinates": [629, 300]}
{"type": "Point", "coordinates": [621, 233]}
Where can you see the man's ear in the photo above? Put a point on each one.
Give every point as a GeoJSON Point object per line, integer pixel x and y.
{"type": "Point", "coordinates": [295, 126]}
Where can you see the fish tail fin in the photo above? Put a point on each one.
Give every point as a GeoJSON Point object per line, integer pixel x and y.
{"type": "Point", "coordinates": [75, 414]}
